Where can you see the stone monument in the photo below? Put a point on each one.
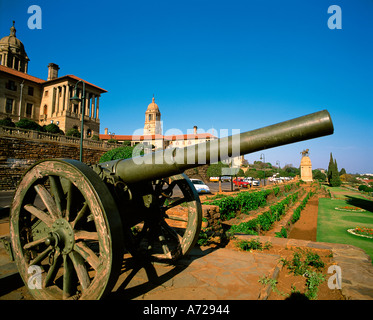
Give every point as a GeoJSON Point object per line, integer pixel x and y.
{"type": "Point", "coordinates": [306, 167]}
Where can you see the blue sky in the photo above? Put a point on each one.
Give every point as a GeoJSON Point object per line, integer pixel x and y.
{"type": "Point", "coordinates": [216, 64]}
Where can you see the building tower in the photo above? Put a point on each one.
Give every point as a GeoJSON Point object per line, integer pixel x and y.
{"type": "Point", "coordinates": [153, 123]}
{"type": "Point", "coordinates": [12, 52]}
{"type": "Point", "coordinates": [305, 167]}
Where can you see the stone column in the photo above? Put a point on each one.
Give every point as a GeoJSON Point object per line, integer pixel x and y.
{"type": "Point", "coordinates": [92, 113]}
{"type": "Point", "coordinates": [86, 113]}
{"type": "Point", "coordinates": [58, 101]}
{"type": "Point", "coordinates": [97, 106]}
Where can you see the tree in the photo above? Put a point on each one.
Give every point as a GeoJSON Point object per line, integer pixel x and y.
{"type": "Point", "coordinates": [333, 174]}
{"type": "Point", "coordinates": [330, 167]}
{"type": "Point", "coordinates": [318, 175]}
{"type": "Point", "coordinates": [343, 171]}
{"type": "Point", "coordinates": [214, 170]}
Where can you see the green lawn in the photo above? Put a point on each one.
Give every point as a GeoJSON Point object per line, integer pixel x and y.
{"type": "Point", "coordinates": [332, 224]}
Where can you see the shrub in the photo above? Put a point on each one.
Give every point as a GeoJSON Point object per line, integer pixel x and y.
{"type": "Point", "coordinates": [7, 122]}
{"type": "Point", "coordinates": [52, 128]}
{"type": "Point", "coordinates": [28, 124]}
{"type": "Point", "coordinates": [73, 132]}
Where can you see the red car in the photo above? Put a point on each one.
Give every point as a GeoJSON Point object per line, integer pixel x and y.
{"type": "Point", "coordinates": [241, 183]}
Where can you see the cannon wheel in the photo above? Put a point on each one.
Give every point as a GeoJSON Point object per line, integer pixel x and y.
{"type": "Point", "coordinates": [66, 232]}
{"type": "Point", "coordinates": [172, 229]}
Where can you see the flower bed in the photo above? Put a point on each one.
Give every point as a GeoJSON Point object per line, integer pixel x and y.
{"type": "Point", "coordinates": [350, 209]}
{"type": "Point", "coordinates": [362, 232]}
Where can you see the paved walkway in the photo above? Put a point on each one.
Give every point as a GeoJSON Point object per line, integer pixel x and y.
{"type": "Point", "coordinates": [220, 274]}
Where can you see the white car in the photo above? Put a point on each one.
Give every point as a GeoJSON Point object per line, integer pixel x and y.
{"type": "Point", "coordinates": [200, 186]}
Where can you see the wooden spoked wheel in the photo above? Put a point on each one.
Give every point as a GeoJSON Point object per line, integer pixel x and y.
{"type": "Point", "coordinates": [172, 229]}
{"type": "Point", "coordinates": [66, 232]}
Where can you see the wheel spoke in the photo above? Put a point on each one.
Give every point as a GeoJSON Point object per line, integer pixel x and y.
{"type": "Point", "coordinates": [41, 256]}
{"type": "Point", "coordinates": [69, 283]}
{"type": "Point", "coordinates": [69, 199]}
{"type": "Point", "coordinates": [34, 243]}
{"type": "Point", "coordinates": [48, 201]}
{"type": "Point", "coordinates": [87, 254]}
{"type": "Point", "coordinates": [171, 231]}
{"type": "Point", "coordinates": [176, 218]}
{"type": "Point", "coordinates": [80, 269]}
{"type": "Point", "coordinates": [43, 216]}
{"type": "Point", "coordinates": [80, 214]}
{"type": "Point", "coordinates": [53, 269]}
{"type": "Point", "coordinates": [175, 203]}
{"type": "Point", "coordinates": [57, 192]}
{"type": "Point", "coordinates": [85, 235]}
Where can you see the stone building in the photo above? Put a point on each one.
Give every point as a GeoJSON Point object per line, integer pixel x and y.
{"type": "Point", "coordinates": [153, 124]}
{"type": "Point", "coordinates": [43, 101]}
{"type": "Point", "coordinates": [153, 135]}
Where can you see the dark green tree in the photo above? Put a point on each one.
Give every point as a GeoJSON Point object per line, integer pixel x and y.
{"type": "Point", "coordinates": [330, 167]}
{"type": "Point", "coordinates": [335, 180]}
{"type": "Point", "coordinates": [214, 170]}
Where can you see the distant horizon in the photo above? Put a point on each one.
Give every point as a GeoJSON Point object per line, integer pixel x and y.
{"type": "Point", "coordinates": [218, 64]}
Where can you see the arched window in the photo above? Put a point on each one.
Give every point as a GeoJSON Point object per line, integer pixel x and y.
{"type": "Point", "coordinates": [45, 111]}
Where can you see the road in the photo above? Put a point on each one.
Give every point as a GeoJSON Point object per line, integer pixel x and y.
{"type": "Point", "coordinates": [6, 197]}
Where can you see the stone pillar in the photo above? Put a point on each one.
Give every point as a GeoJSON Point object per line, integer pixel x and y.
{"type": "Point", "coordinates": [92, 113]}
{"type": "Point", "coordinates": [97, 106]}
{"type": "Point", "coordinates": [86, 113]}
{"type": "Point", "coordinates": [63, 98]}
{"type": "Point", "coordinates": [58, 100]}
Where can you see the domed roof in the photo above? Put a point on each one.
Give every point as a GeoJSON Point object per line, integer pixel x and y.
{"type": "Point", "coordinates": [152, 107]}
{"type": "Point", "coordinates": [306, 161]}
{"type": "Point", "coordinates": [12, 43]}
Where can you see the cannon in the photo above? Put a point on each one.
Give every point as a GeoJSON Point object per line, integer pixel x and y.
{"type": "Point", "coordinates": [71, 223]}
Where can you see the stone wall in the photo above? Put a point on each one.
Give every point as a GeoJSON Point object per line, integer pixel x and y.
{"type": "Point", "coordinates": [17, 155]}
{"type": "Point", "coordinates": [211, 223]}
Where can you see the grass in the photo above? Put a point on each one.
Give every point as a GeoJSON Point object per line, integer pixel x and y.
{"type": "Point", "coordinates": [332, 224]}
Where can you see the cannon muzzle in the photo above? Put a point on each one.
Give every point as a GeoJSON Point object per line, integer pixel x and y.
{"type": "Point", "coordinates": [172, 161]}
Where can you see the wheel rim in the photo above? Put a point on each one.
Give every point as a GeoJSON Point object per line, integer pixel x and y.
{"type": "Point", "coordinates": [66, 232]}
{"type": "Point", "coordinates": [172, 229]}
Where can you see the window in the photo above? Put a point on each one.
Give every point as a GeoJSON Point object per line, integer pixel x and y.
{"type": "Point", "coordinates": [30, 91]}
{"type": "Point", "coordinates": [46, 93]}
{"type": "Point", "coordinates": [45, 110]}
{"type": "Point", "coordinates": [29, 109]}
{"type": "Point", "coordinates": [11, 85]}
{"type": "Point", "coordinates": [9, 105]}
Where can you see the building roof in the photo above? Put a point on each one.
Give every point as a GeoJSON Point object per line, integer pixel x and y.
{"type": "Point", "coordinates": [71, 76]}
{"type": "Point", "coordinates": [152, 107]}
{"type": "Point", "coordinates": [21, 74]}
{"type": "Point", "coordinates": [190, 136]}
{"type": "Point", "coordinates": [41, 81]}
{"type": "Point", "coordinates": [156, 137]}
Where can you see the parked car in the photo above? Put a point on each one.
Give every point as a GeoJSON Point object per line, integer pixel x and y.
{"type": "Point", "coordinates": [214, 179]}
{"type": "Point", "coordinates": [200, 186]}
{"type": "Point", "coordinates": [239, 182]}
{"type": "Point", "coordinates": [252, 182]}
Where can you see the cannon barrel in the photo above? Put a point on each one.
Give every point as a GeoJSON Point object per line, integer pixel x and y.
{"type": "Point", "coordinates": [172, 161]}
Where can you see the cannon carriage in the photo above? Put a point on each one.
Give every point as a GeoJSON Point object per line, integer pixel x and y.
{"type": "Point", "coordinates": [70, 223]}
